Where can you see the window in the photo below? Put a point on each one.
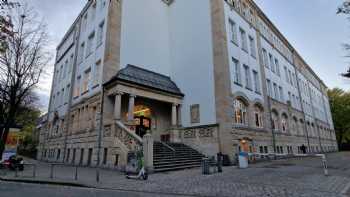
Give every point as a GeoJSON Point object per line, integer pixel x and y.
{"type": "Point", "coordinates": [68, 155]}
{"type": "Point", "coordinates": [274, 123]}
{"type": "Point", "coordinates": [269, 87]}
{"type": "Point", "coordinates": [86, 80]}
{"type": "Point", "coordinates": [290, 97]}
{"type": "Point", "coordinates": [258, 114]}
{"type": "Point", "coordinates": [240, 112]}
{"type": "Point", "coordinates": [77, 87]}
{"type": "Point", "coordinates": [286, 73]}
{"type": "Point", "coordinates": [105, 152]}
{"type": "Point", "coordinates": [233, 32]}
{"type": "Point", "coordinates": [97, 74]}
{"type": "Point", "coordinates": [81, 52]}
{"type": "Point", "coordinates": [89, 157]}
{"type": "Point", "coordinates": [73, 158]}
{"type": "Point", "coordinates": [265, 58]}
{"type": "Point", "coordinates": [71, 61]}
{"type": "Point", "coordinates": [271, 63]}
{"type": "Point", "coordinates": [290, 77]}
{"type": "Point", "coordinates": [81, 161]}
{"type": "Point", "coordinates": [277, 67]}
{"type": "Point", "coordinates": [256, 81]}
{"type": "Point", "coordinates": [67, 93]}
{"type": "Point", "coordinates": [90, 44]}
{"type": "Point", "coordinates": [236, 71]}
{"type": "Point", "coordinates": [100, 33]}
{"type": "Point", "coordinates": [281, 94]}
{"type": "Point", "coordinates": [275, 89]}
{"type": "Point", "coordinates": [284, 123]}
{"type": "Point", "coordinates": [61, 73]}
{"type": "Point", "coordinates": [243, 40]}
{"type": "Point", "coordinates": [252, 47]}
{"type": "Point", "coordinates": [65, 69]}
{"type": "Point", "coordinates": [248, 80]}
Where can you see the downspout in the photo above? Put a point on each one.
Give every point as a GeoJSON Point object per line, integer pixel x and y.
{"type": "Point", "coordinates": [100, 127]}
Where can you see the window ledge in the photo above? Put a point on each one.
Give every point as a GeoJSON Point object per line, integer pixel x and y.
{"type": "Point", "coordinates": [248, 88]}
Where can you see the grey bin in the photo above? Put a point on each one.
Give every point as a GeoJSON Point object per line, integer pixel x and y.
{"type": "Point", "coordinates": [205, 166]}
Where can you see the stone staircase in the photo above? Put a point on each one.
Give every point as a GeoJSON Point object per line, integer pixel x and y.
{"type": "Point", "coordinates": [174, 156]}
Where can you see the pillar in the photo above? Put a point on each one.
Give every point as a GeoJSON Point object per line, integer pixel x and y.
{"type": "Point", "coordinates": [173, 116]}
{"type": "Point", "coordinates": [147, 142]}
{"type": "Point", "coordinates": [131, 108]}
{"type": "Point", "coordinates": [117, 106]}
{"type": "Point", "coordinates": [179, 119]}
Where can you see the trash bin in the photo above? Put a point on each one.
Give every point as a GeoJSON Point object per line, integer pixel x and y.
{"type": "Point", "coordinates": [205, 166]}
{"type": "Point", "coordinates": [243, 160]}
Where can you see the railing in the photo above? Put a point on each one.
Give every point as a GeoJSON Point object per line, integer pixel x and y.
{"type": "Point", "coordinates": [127, 137]}
{"type": "Point", "coordinates": [166, 145]}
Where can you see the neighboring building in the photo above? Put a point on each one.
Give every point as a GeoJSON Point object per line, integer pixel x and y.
{"type": "Point", "coordinates": [215, 75]}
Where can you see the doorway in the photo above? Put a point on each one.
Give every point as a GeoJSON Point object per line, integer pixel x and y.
{"type": "Point", "coordinates": [142, 125]}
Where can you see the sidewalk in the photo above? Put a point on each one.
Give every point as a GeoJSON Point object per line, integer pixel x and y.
{"type": "Point", "coordinates": [294, 177]}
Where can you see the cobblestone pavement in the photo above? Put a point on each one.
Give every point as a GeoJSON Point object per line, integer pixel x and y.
{"type": "Point", "coordinates": [294, 177]}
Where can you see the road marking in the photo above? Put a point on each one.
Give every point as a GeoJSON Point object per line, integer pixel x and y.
{"type": "Point", "coordinates": [346, 189]}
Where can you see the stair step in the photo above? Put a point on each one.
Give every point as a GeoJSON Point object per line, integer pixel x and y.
{"type": "Point", "coordinates": [176, 161]}
{"type": "Point", "coordinates": [176, 168]}
{"type": "Point", "coordinates": [176, 164]}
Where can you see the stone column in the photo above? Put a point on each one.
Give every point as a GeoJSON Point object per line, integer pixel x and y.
{"type": "Point", "coordinates": [131, 108]}
{"type": "Point", "coordinates": [117, 106]}
{"type": "Point", "coordinates": [173, 116]}
{"type": "Point", "coordinates": [179, 120]}
{"type": "Point", "coordinates": [148, 152]}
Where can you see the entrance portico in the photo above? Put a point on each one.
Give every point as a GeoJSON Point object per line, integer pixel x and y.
{"type": "Point", "coordinates": [144, 100]}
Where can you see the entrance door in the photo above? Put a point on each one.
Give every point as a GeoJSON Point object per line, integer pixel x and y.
{"type": "Point", "coordinates": [142, 125]}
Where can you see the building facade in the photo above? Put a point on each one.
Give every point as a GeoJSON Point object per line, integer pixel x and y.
{"type": "Point", "coordinates": [219, 77]}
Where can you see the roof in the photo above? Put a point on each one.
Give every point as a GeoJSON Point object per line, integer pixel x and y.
{"type": "Point", "coordinates": [146, 78]}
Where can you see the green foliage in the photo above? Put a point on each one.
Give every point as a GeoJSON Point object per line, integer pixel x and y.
{"type": "Point", "coordinates": [340, 108]}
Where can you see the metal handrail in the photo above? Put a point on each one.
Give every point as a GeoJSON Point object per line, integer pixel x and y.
{"type": "Point", "coordinates": [122, 126]}
{"type": "Point", "coordinates": [167, 145]}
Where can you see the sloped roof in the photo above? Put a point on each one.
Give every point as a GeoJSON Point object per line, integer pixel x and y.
{"type": "Point", "coordinates": [140, 76]}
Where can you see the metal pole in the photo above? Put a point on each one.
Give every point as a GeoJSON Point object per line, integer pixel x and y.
{"type": "Point", "coordinates": [76, 173]}
{"type": "Point", "coordinates": [34, 171]}
{"type": "Point", "coordinates": [97, 175]}
{"type": "Point", "coordinates": [51, 171]}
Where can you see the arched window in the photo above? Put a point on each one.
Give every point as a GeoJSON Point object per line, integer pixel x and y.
{"type": "Point", "coordinates": [240, 112]}
{"type": "Point", "coordinates": [301, 130]}
{"type": "Point", "coordinates": [258, 116]}
{"type": "Point", "coordinates": [284, 123]}
{"type": "Point", "coordinates": [295, 125]}
{"type": "Point", "coordinates": [274, 123]}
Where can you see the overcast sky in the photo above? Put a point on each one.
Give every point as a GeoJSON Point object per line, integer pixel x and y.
{"type": "Point", "coordinates": [311, 26]}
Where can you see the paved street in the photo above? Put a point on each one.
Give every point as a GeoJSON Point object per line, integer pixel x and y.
{"type": "Point", "coordinates": [35, 190]}
{"type": "Point", "coordinates": [296, 177]}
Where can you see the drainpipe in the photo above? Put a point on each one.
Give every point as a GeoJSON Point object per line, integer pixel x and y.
{"type": "Point", "coordinates": [100, 127]}
{"type": "Point", "coordinates": [301, 103]}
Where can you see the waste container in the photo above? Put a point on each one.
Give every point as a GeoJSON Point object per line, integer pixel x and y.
{"type": "Point", "coordinates": [243, 160]}
{"type": "Point", "coordinates": [205, 166]}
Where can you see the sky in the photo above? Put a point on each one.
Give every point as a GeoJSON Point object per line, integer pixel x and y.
{"type": "Point", "coordinates": [311, 26]}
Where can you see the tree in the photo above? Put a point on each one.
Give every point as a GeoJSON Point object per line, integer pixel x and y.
{"type": "Point", "coordinates": [345, 9]}
{"type": "Point", "coordinates": [22, 65]}
{"type": "Point", "coordinates": [340, 108]}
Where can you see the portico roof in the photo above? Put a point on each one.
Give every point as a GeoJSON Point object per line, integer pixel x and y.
{"type": "Point", "coordinates": [147, 78]}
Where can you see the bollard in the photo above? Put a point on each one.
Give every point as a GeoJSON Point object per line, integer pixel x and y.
{"type": "Point", "coordinates": [97, 175]}
{"type": "Point", "coordinates": [76, 173]}
{"type": "Point", "coordinates": [325, 167]}
{"type": "Point", "coordinates": [51, 171]}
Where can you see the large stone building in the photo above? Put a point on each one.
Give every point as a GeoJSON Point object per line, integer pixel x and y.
{"type": "Point", "coordinates": [215, 75]}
